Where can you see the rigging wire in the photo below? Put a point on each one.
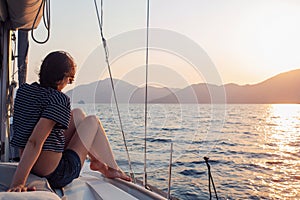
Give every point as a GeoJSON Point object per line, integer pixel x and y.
{"type": "Point", "coordinates": [100, 22]}
{"type": "Point", "coordinates": [146, 93]}
{"type": "Point", "coordinates": [45, 5]}
{"type": "Point", "coordinates": [170, 172]}
{"type": "Point", "coordinates": [210, 180]}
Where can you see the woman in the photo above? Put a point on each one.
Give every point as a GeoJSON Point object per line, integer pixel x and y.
{"type": "Point", "coordinates": [53, 140]}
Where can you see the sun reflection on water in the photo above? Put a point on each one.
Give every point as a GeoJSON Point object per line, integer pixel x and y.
{"type": "Point", "coordinates": [282, 141]}
{"type": "Point", "coordinates": [255, 156]}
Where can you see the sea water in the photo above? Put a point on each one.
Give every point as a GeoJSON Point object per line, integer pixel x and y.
{"type": "Point", "coordinates": [253, 150]}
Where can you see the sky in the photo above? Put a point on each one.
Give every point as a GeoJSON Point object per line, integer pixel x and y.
{"type": "Point", "coordinates": [234, 41]}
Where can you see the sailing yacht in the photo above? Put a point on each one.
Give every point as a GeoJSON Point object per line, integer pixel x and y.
{"type": "Point", "coordinates": [23, 16]}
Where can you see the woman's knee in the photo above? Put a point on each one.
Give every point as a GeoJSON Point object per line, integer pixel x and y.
{"type": "Point", "coordinates": [78, 112]}
{"type": "Point", "coordinates": [91, 120]}
{"type": "Point", "coordinates": [88, 125]}
{"type": "Point", "coordinates": [78, 115]}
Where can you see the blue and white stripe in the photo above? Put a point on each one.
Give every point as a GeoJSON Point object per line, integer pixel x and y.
{"type": "Point", "coordinates": [33, 102]}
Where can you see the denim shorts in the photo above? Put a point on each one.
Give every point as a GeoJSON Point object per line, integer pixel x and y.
{"type": "Point", "coordinates": [67, 170]}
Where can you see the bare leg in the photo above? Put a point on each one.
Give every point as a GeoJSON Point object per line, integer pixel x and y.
{"type": "Point", "coordinates": [90, 138]}
{"type": "Point", "coordinates": [108, 171]}
{"type": "Point", "coordinates": [101, 141]}
{"type": "Point", "coordinates": [77, 116]}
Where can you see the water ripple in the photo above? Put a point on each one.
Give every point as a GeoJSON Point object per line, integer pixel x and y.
{"type": "Point", "coordinates": [254, 156]}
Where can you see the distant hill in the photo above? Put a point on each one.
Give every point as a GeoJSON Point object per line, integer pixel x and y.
{"type": "Point", "coordinates": [282, 88]}
{"type": "Point", "coordinates": [101, 92]}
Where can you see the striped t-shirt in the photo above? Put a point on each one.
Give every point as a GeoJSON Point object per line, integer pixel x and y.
{"type": "Point", "coordinates": [34, 102]}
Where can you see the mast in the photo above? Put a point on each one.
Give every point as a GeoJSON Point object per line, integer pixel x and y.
{"type": "Point", "coordinates": [12, 18]}
{"type": "Point", "coordinates": [5, 35]}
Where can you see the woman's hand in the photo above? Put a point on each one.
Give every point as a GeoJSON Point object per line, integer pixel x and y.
{"type": "Point", "coordinates": [30, 155]}
{"type": "Point", "coordinates": [21, 188]}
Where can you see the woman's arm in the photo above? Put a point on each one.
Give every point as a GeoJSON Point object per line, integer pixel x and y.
{"type": "Point", "coordinates": [31, 153]}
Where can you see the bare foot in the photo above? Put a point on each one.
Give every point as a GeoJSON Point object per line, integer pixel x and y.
{"type": "Point", "coordinates": [108, 172]}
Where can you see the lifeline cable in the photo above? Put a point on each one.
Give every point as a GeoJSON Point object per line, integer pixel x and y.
{"type": "Point", "coordinates": [100, 22]}
{"type": "Point", "coordinates": [210, 179]}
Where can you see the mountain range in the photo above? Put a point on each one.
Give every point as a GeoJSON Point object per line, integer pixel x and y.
{"type": "Point", "coordinates": [282, 88]}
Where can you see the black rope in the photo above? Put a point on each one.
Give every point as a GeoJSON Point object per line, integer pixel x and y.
{"type": "Point", "coordinates": [210, 180]}
{"type": "Point", "coordinates": [13, 83]}
{"type": "Point", "coordinates": [14, 50]}
{"type": "Point", "coordinates": [100, 22]}
{"type": "Point", "coordinates": [46, 20]}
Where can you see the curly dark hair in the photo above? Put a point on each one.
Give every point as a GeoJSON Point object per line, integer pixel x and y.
{"type": "Point", "coordinates": [55, 67]}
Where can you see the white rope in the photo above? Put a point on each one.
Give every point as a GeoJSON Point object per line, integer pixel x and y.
{"type": "Point", "coordinates": [100, 22]}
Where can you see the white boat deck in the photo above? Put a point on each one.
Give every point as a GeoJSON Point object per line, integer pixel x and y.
{"type": "Point", "coordinates": [90, 185]}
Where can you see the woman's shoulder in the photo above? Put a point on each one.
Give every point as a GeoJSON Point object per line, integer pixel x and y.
{"type": "Point", "coordinates": [48, 94]}
{"type": "Point", "coordinates": [29, 86]}
{"type": "Point", "coordinates": [28, 89]}
{"type": "Point", "coordinates": [58, 97]}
